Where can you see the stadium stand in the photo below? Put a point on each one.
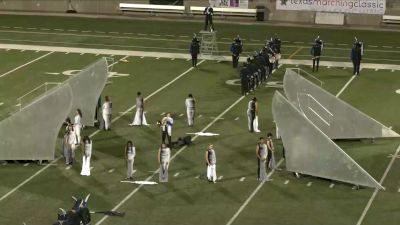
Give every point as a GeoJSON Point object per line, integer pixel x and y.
{"type": "Point", "coordinates": [391, 19]}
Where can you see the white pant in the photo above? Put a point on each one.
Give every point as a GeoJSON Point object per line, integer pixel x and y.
{"type": "Point", "coordinates": [77, 129]}
{"type": "Point", "coordinates": [255, 125]}
{"type": "Point", "coordinates": [85, 165]}
{"type": "Point", "coordinates": [212, 172]}
{"type": "Point", "coordinates": [107, 120]}
{"type": "Point", "coordinates": [190, 116]}
{"type": "Point", "coordinates": [129, 163]}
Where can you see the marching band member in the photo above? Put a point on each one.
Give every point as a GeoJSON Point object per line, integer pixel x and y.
{"type": "Point", "coordinates": [209, 12]}
{"type": "Point", "coordinates": [164, 156]}
{"type": "Point", "coordinates": [262, 154]}
{"type": "Point", "coordinates": [316, 51]}
{"type": "Point", "coordinates": [78, 124]}
{"type": "Point", "coordinates": [166, 126]}
{"type": "Point", "coordinates": [211, 160]}
{"type": "Point", "coordinates": [130, 153]}
{"type": "Point", "coordinates": [87, 154]}
{"type": "Point", "coordinates": [277, 43]}
{"type": "Point", "coordinates": [107, 112]}
{"type": "Point", "coordinates": [356, 56]}
{"type": "Point", "coordinates": [190, 103]}
{"type": "Point", "coordinates": [140, 118]}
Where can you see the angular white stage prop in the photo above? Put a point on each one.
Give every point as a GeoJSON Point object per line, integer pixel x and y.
{"type": "Point", "coordinates": [309, 151]}
{"type": "Point", "coordinates": [334, 117]}
{"type": "Point", "coordinates": [87, 86]}
{"type": "Point", "coordinates": [32, 133]}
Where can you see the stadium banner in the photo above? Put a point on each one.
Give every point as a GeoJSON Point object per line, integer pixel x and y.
{"type": "Point", "coordinates": [230, 3]}
{"type": "Point", "coordinates": [342, 6]}
{"type": "Point", "coordinates": [166, 2]}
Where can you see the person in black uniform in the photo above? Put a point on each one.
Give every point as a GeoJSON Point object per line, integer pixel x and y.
{"type": "Point", "coordinates": [244, 73]}
{"type": "Point", "coordinates": [277, 46]}
{"type": "Point", "coordinates": [236, 49]}
{"type": "Point", "coordinates": [271, 57]}
{"type": "Point", "coordinates": [194, 51]}
{"type": "Point", "coordinates": [239, 40]}
{"type": "Point", "coordinates": [316, 51]}
{"type": "Point", "coordinates": [209, 12]}
{"type": "Point", "coordinates": [356, 57]}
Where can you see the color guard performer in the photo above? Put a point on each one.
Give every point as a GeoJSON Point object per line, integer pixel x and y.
{"type": "Point", "coordinates": [271, 163]}
{"type": "Point", "coordinates": [251, 113]}
{"type": "Point", "coordinates": [87, 154]}
{"type": "Point", "coordinates": [140, 118]}
{"type": "Point", "coordinates": [107, 112]}
{"type": "Point", "coordinates": [78, 124]}
{"type": "Point", "coordinates": [211, 160]}
{"type": "Point", "coordinates": [130, 153]}
{"type": "Point", "coordinates": [72, 142]}
{"type": "Point", "coordinates": [164, 155]}
{"type": "Point", "coordinates": [262, 154]}
{"type": "Point", "coordinates": [190, 103]}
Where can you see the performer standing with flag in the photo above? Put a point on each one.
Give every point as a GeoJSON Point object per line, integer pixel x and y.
{"type": "Point", "coordinates": [211, 160]}
{"type": "Point", "coordinates": [164, 155]}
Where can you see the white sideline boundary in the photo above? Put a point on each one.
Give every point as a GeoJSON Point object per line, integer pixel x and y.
{"type": "Point", "coordinates": [185, 56]}
{"type": "Point", "coordinates": [345, 86]}
{"type": "Point", "coordinates": [176, 154]}
{"type": "Point", "coordinates": [364, 213]}
{"type": "Point", "coordinates": [23, 65]}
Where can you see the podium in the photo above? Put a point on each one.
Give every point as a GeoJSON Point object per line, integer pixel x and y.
{"type": "Point", "coordinates": [209, 44]}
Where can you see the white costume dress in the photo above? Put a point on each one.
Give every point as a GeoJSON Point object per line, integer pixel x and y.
{"type": "Point", "coordinates": [131, 153]}
{"type": "Point", "coordinates": [212, 166]}
{"type": "Point", "coordinates": [107, 112]}
{"type": "Point", "coordinates": [78, 127]}
{"type": "Point", "coordinates": [190, 110]}
{"type": "Point", "coordinates": [140, 118]}
{"type": "Point", "coordinates": [255, 124]}
{"type": "Point", "coordinates": [165, 155]}
{"type": "Point", "coordinates": [87, 154]}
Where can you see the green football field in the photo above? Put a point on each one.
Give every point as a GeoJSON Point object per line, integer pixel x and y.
{"type": "Point", "coordinates": [31, 194]}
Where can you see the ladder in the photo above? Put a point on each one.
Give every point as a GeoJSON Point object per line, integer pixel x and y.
{"type": "Point", "coordinates": [208, 45]}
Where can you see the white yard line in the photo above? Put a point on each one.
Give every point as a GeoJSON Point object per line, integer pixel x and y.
{"type": "Point", "coordinates": [175, 155]}
{"type": "Point", "coordinates": [346, 85]}
{"type": "Point", "coordinates": [23, 65]}
{"type": "Point", "coordinates": [251, 196]}
{"type": "Point", "coordinates": [364, 213]}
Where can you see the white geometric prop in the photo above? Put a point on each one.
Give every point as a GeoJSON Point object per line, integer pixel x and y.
{"type": "Point", "coordinates": [334, 117]}
{"type": "Point", "coordinates": [309, 151]}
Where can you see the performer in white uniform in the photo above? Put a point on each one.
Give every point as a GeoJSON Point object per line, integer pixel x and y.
{"type": "Point", "coordinates": [255, 122]}
{"type": "Point", "coordinates": [271, 150]}
{"type": "Point", "coordinates": [211, 160]}
{"type": "Point", "coordinates": [72, 141]}
{"type": "Point", "coordinates": [164, 155]}
{"type": "Point", "coordinates": [166, 126]}
{"type": "Point", "coordinates": [140, 118]}
{"type": "Point", "coordinates": [86, 155]}
{"type": "Point", "coordinates": [251, 113]}
{"type": "Point", "coordinates": [130, 153]}
{"type": "Point", "coordinates": [78, 124]}
{"type": "Point", "coordinates": [107, 112]}
{"type": "Point", "coordinates": [190, 103]}
{"type": "Point", "coordinates": [262, 154]}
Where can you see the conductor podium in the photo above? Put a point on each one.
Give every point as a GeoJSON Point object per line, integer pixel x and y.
{"type": "Point", "coordinates": [208, 43]}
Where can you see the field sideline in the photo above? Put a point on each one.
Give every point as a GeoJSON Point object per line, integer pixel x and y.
{"type": "Point", "coordinates": [237, 198]}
